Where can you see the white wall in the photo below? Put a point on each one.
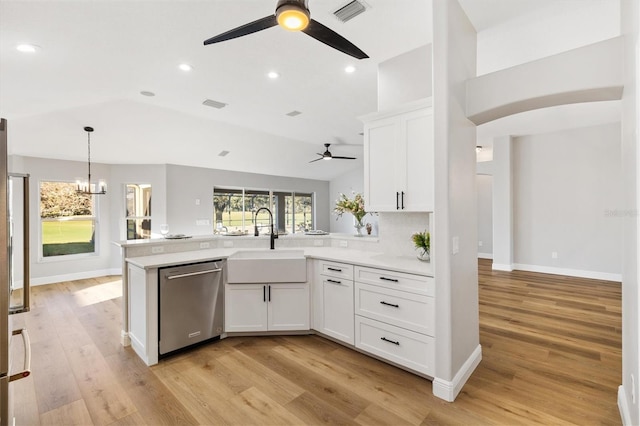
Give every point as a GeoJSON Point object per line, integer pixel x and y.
{"type": "Point", "coordinates": [544, 33]}
{"type": "Point", "coordinates": [455, 216]}
{"type": "Point", "coordinates": [405, 78]}
{"type": "Point", "coordinates": [484, 185]}
{"type": "Point", "coordinates": [629, 408]}
{"type": "Point", "coordinates": [186, 184]}
{"type": "Point", "coordinates": [566, 191]}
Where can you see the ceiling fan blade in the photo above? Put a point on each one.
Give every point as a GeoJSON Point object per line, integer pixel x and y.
{"type": "Point", "coordinates": [317, 159]}
{"type": "Point", "coordinates": [344, 158]}
{"type": "Point", "coordinates": [252, 27]}
{"type": "Point", "coordinates": [331, 38]}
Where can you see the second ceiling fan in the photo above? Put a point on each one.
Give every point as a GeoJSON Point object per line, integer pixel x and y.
{"type": "Point", "coordinates": [293, 15]}
{"type": "Point", "coordinates": [328, 156]}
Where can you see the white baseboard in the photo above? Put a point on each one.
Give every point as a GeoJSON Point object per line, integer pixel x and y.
{"type": "Point", "coordinates": [623, 407]}
{"type": "Point", "coordinates": [449, 390]}
{"type": "Point", "coordinates": [606, 276]}
{"type": "Point", "coordinates": [485, 255]}
{"type": "Point", "coordinates": [75, 276]}
{"type": "Point", "coordinates": [501, 267]}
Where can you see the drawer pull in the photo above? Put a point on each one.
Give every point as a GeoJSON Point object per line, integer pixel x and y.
{"type": "Point", "coordinates": [389, 304]}
{"type": "Point", "coordinates": [334, 281]}
{"type": "Point", "coordinates": [390, 341]}
{"type": "Point", "coordinates": [389, 279]}
{"type": "Point", "coordinates": [334, 269]}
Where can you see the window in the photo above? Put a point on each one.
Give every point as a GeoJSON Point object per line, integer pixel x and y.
{"type": "Point", "coordinates": [68, 220]}
{"type": "Point", "coordinates": [234, 210]}
{"type": "Point", "coordinates": [138, 214]}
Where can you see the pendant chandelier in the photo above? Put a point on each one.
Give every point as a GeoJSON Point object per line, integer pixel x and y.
{"type": "Point", "coordinates": [84, 187]}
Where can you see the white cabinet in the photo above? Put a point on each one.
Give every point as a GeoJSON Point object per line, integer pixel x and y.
{"type": "Point", "coordinates": [395, 317]}
{"type": "Point", "coordinates": [399, 159]}
{"type": "Point", "coordinates": [333, 300]}
{"type": "Point", "coordinates": [266, 307]}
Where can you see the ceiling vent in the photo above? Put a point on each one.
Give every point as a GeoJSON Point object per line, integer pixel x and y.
{"type": "Point", "coordinates": [350, 11]}
{"type": "Point", "coordinates": [293, 113]}
{"type": "Point", "coordinates": [214, 104]}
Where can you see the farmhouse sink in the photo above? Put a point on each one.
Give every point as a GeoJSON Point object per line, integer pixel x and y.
{"type": "Point", "coordinates": [267, 266]}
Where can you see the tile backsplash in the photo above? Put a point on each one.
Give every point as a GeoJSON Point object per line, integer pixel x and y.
{"type": "Point", "coordinates": [396, 230]}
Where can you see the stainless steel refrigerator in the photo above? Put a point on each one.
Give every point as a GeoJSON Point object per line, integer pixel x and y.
{"type": "Point", "coordinates": [14, 251]}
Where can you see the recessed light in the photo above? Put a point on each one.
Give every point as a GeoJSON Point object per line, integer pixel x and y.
{"type": "Point", "coordinates": [27, 48]}
{"type": "Point", "coordinates": [349, 69]}
{"type": "Point", "coordinates": [185, 67]}
{"type": "Point", "coordinates": [273, 75]}
{"type": "Point", "coordinates": [147, 93]}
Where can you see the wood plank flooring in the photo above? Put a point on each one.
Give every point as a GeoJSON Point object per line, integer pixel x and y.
{"type": "Point", "coordinates": [551, 355]}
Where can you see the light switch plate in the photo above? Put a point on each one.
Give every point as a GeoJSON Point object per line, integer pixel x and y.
{"type": "Point", "coordinates": [455, 245]}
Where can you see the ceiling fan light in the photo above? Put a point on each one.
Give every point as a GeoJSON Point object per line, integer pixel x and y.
{"type": "Point", "coordinates": [292, 17]}
{"type": "Point", "coordinates": [326, 157]}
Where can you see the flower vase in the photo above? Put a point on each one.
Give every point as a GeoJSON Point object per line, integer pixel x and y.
{"type": "Point", "coordinates": [424, 255]}
{"type": "Point", "coordinates": [358, 225]}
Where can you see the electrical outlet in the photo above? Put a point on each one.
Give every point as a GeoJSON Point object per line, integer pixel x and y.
{"type": "Point", "coordinates": [227, 244]}
{"type": "Point", "coordinates": [343, 243]}
{"type": "Point", "coordinates": [157, 249]}
{"type": "Point", "coordinates": [204, 245]}
{"type": "Point", "coordinates": [554, 254]}
{"type": "Point", "coordinates": [479, 243]}
{"type": "Point", "coordinates": [197, 201]}
{"type": "Point", "coordinates": [202, 222]}
{"type": "Point", "coordinates": [318, 243]}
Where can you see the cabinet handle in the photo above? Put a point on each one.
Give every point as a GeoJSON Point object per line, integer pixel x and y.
{"type": "Point", "coordinates": [389, 279]}
{"type": "Point", "coordinates": [269, 293]}
{"type": "Point", "coordinates": [397, 202]}
{"type": "Point", "coordinates": [335, 269]}
{"type": "Point", "coordinates": [402, 200]}
{"type": "Point", "coordinates": [334, 281]}
{"type": "Point", "coordinates": [389, 304]}
{"type": "Point", "coordinates": [390, 341]}
{"type": "Point", "coordinates": [264, 293]}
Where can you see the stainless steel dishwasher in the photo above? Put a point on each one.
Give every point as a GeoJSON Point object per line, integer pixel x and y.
{"type": "Point", "coordinates": [191, 304]}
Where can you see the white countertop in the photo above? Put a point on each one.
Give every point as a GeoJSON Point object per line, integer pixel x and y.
{"type": "Point", "coordinates": [406, 264]}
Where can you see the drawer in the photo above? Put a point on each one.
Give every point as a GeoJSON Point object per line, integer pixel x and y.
{"type": "Point", "coordinates": [396, 280]}
{"type": "Point", "coordinates": [403, 347]}
{"type": "Point", "coordinates": [335, 269]}
{"type": "Point", "coordinates": [414, 312]}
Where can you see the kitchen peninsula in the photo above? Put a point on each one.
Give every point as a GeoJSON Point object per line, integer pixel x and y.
{"type": "Point", "coordinates": [380, 304]}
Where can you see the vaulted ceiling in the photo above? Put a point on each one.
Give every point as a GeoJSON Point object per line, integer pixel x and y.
{"type": "Point", "coordinates": [96, 57]}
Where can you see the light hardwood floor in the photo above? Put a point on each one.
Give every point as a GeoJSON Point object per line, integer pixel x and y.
{"type": "Point", "coordinates": [551, 355]}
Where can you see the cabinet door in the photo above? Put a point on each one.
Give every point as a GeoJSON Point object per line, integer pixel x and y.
{"type": "Point", "coordinates": [288, 306]}
{"type": "Point", "coordinates": [380, 188]}
{"type": "Point", "coordinates": [337, 295]}
{"type": "Point", "coordinates": [417, 171]}
{"type": "Point", "coordinates": [245, 307]}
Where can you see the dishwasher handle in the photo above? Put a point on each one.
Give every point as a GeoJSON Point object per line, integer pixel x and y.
{"type": "Point", "coordinates": [191, 274]}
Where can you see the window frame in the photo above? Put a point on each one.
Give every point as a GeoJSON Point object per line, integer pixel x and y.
{"type": "Point", "coordinates": [96, 227]}
{"type": "Point", "coordinates": [128, 218]}
{"type": "Point", "coordinates": [279, 222]}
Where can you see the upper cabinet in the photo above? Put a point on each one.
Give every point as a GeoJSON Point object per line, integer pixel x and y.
{"type": "Point", "coordinates": [398, 159]}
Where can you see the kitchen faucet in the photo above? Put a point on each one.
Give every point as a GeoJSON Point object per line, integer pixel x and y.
{"type": "Point", "coordinates": [273, 236]}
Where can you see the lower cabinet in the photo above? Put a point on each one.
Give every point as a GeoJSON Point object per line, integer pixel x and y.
{"type": "Point", "coordinates": [407, 348]}
{"type": "Point", "coordinates": [266, 307]}
{"type": "Point", "coordinates": [333, 301]}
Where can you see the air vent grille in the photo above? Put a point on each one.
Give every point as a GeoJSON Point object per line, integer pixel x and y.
{"type": "Point", "coordinates": [214, 104]}
{"type": "Point", "coordinates": [293, 113]}
{"type": "Point", "coordinates": [350, 11]}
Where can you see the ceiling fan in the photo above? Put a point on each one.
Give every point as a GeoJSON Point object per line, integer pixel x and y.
{"type": "Point", "coordinates": [328, 156]}
{"type": "Point", "coordinates": [293, 15]}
